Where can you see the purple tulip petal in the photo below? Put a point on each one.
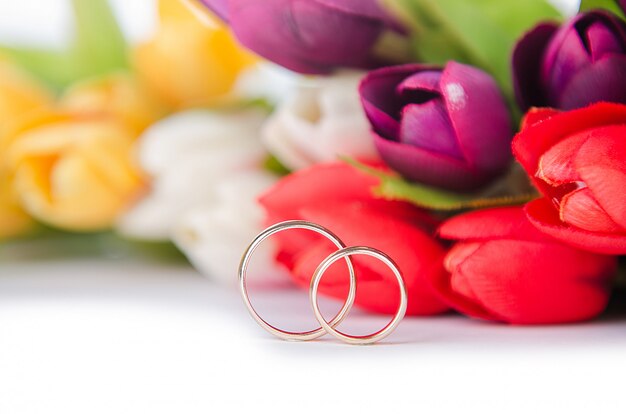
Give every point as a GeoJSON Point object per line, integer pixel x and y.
{"type": "Point", "coordinates": [370, 9]}
{"type": "Point", "coordinates": [479, 117]}
{"type": "Point", "coordinates": [382, 122]}
{"type": "Point", "coordinates": [604, 80]}
{"type": "Point", "coordinates": [622, 4]}
{"type": "Point", "coordinates": [377, 91]}
{"type": "Point", "coordinates": [365, 8]}
{"type": "Point", "coordinates": [427, 126]}
{"type": "Point", "coordinates": [219, 7]}
{"type": "Point", "coordinates": [428, 80]}
{"type": "Point", "coordinates": [427, 167]}
{"type": "Point", "coordinates": [566, 59]}
{"type": "Point", "coordinates": [303, 35]}
{"type": "Point", "coordinates": [527, 63]}
{"type": "Point", "coordinates": [602, 41]}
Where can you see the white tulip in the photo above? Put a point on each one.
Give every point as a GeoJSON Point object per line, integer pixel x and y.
{"type": "Point", "coordinates": [214, 236]}
{"type": "Point", "coordinates": [187, 156]}
{"type": "Point", "coordinates": [321, 121]}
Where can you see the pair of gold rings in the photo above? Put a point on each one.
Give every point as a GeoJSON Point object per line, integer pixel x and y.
{"type": "Point", "coordinates": [343, 253]}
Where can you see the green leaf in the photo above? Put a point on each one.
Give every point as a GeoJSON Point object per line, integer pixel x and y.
{"type": "Point", "coordinates": [273, 165]}
{"type": "Point", "coordinates": [98, 47]}
{"type": "Point", "coordinates": [610, 5]}
{"type": "Point", "coordinates": [477, 32]}
{"type": "Point", "coordinates": [393, 187]}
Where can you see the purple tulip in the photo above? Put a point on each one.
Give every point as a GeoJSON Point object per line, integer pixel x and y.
{"type": "Point", "coordinates": [308, 36]}
{"type": "Point", "coordinates": [448, 128]}
{"type": "Point", "coordinates": [570, 67]}
{"type": "Point", "coordinates": [622, 4]}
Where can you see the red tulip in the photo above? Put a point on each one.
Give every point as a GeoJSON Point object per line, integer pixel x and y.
{"type": "Point", "coordinates": [339, 197]}
{"type": "Point", "coordinates": [504, 269]}
{"type": "Point", "coordinates": [577, 160]}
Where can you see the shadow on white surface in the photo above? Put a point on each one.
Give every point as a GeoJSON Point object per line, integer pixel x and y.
{"type": "Point", "coordinates": [176, 288]}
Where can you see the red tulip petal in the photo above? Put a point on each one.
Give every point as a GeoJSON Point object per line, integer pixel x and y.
{"type": "Point", "coordinates": [489, 224]}
{"type": "Point", "coordinates": [602, 165]}
{"type": "Point", "coordinates": [558, 285]}
{"type": "Point", "coordinates": [556, 166]}
{"type": "Point", "coordinates": [520, 281]}
{"type": "Point", "coordinates": [580, 209]}
{"type": "Point", "coordinates": [536, 115]}
{"type": "Point", "coordinates": [531, 143]}
{"type": "Point", "coordinates": [544, 217]}
{"type": "Point", "coordinates": [316, 185]}
{"type": "Point", "coordinates": [336, 181]}
{"type": "Point", "coordinates": [460, 298]}
{"type": "Point", "coordinates": [416, 253]}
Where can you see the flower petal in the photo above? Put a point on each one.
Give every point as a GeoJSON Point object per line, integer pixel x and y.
{"type": "Point", "coordinates": [427, 126]}
{"type": "Point", "coordinates": [490, 224]}
{"type": "Point", "coordinates": [602, 165]}
{"type": "Point", "coordinates": [429, 167]}
{"type": "Point", "coordinates": [604, 80]}
{"type": "Point", "coordinates": [479, 117]}
{"type": "Point", "coordinates": [556, 166]}
{"type": "Point", "coordinates": [527, 58]}
{"type": "Point", "coordinates": [559, 285]}
{"type": "Point", "coordinates": [544, 217]}
{"type": "Point", "coordinates": [565, 56]}
{"type": "Point", "coordinates": [378, 290]}
{"type": "Point", "coordinates": [532, 142]}
{"type": "Point", "coordinates": [580, 209]}
{"type": "Point", "coordinates": [302, 36]}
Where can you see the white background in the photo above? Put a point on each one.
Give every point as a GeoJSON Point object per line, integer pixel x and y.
{"type": "Point", "coordinates": [121, 335]}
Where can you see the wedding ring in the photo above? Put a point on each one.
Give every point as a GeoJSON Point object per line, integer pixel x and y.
{"type": "Point", "coordinates": [243, 268]}
{"type": "Point", "coordinates": [345, 253]}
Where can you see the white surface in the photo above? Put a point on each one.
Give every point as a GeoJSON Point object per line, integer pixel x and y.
{"type": "Point", "coordinates": [96, 336]}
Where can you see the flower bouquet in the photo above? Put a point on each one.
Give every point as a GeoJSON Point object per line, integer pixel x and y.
{"type": "Point", "coordinates": [481, 144]}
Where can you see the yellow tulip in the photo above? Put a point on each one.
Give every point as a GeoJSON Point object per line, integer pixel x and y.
{"type": "Point", "coordinates": [19, 95]}
{"type": "Point", "coordinates": [74, 171]}
{"type": "Point", "coordinates": [20, 98]}
{"type": "Point", "coordinates": [13, 220]}
{"type": "Point", "coordinates": [187, 62]}
{"type": "Point", "coordinates": [118, 95]}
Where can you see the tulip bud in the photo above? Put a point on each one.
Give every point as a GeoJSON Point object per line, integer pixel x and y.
{"type": "Point", "coordinates": [74, 172]}
{"type": "Point", "coordinates": [20, 98]}
{"type": "Point", "coordinates": [303, 35]}
{"type": "Point", "coordinates": [188, 155]}
{"type": "Point", "coordinates": [577, 160]}
{"type": "Point", "coordinates": [340, 198]}
{"type": "Point", "coordinates": [321, 121]}
{"type": "Point", "coordinates": [188, 63]}
{"type": "Point", "coordinates": [503, 269]}
{"type": "Point", "coordinates": [444, 127]}
{"type": "Point", "coordinates": [581, 63]}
